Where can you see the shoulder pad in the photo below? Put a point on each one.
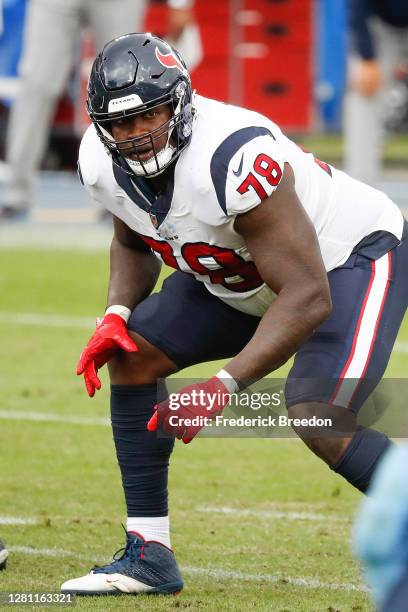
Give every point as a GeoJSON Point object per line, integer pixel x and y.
{"type": "Point", "coordinates": [91, 157]}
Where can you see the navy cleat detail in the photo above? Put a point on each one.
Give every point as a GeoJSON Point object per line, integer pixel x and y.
{"type": "Point", "coordinates": [3, 556]}
{"type": "Point", "coordinates": [145, 566]}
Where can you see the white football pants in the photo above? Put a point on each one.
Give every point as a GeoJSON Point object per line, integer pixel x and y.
{"type": "Point", "coordinates": [363, 116]}
{"type": "Point", "coordinates": [50, 44]}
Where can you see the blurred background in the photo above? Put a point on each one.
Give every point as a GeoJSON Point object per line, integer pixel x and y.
{"type": "Point", "coordinates": [284, 58]}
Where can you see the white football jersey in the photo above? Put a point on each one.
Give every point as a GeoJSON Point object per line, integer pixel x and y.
{"type": "Point", "coordinates": [235, 159]}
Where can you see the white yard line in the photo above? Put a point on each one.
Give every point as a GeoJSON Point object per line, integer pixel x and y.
{"type": "Point", "coordinates": [239, 512]}
{"type": "Point", "coordinates": [56, 237]}
{"type": "Point", "coordinates": [310, 583]}
{"type": "Point", "coordinates": [15, 520]}
{"type": "Point", "coordinates": [274, 514]}
{"type": "Point", "coordinates": [46, 320]}
{"type": "Point", "coordinates": [16, 415]}
{"type": "Point", "coordinates": [401, 347]}
{"type": "Point", "coordinates": [214, 573]}
{"type": "Point", "coordinates": [43, 552]}
{"type": "Point", "coordinates": [50, 320]}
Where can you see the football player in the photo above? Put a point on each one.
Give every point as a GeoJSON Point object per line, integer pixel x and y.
{"type": "Point", "coordinates": [381, 534]}
{"type": "Point", "coordinates": [50, 47]}
{"type": "Point", "coordinates": [275, 254]}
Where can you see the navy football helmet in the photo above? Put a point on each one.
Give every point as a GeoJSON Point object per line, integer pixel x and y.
{"type": "Point", "coordinates": [133, 74]}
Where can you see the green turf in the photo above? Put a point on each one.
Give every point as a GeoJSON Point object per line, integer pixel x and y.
{"type": "Point", "coordinates": [66, 477]}
{"type": "Point", "coordinates": [329, 147]}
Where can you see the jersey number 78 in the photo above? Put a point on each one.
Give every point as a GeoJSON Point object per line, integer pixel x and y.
{"type": "Point", "coordinates": [232, 271]}
{"type": "Point", "coordinates": [266, 167]}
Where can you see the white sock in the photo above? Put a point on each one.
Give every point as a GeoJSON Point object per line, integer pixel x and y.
{"type": "Point", "coordinates": [151, 528]}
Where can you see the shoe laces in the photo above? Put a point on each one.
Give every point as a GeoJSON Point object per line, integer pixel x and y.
{"type": "Point", "coordinates": [132, 552]}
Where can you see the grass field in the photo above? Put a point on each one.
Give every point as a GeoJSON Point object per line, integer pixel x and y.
{"type": "Point", "coordinates": [256, 524]}
{"type": "Point", "coordinates": [330, 148]}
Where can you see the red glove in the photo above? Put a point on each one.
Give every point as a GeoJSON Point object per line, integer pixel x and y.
{"type": "Point", "coordinates": [205, 400]}
{"type": "Point", "coordinates": [110, 335]}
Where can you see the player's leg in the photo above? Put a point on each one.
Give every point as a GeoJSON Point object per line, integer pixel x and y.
{"type": "Point", "coordinates": [338, 368]}
{"type": "Point", "coordinates": [181, 325]}
{"type": "Point", "coordinates": [381, 534]}
{"type": "Point", "coordinates": [363, 115]}
{"type": "Point", "coordinates": [398, 598]}
{"type": "Point", "coordinates": [51, 26]}
{"type": "Point", "coordinates": [362, 131]}
{"type": "Point", "coordinates": [112, 18]}
{"type": "Point", "coordinates": [351, 451]}
{"type": "Point", "coordinates": [148, 564]}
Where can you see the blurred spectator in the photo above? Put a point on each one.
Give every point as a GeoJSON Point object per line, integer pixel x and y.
{"type": "Point", "coordinates": [381, 532]}
{"type": "Point", "coordinates": [183, 32]}
{"type": "Point", "coordinates": [51, 32]}
{"type": "Point", "coordinates": [379, 39]}
{"type": "Point", "coordinates": [179, 17]}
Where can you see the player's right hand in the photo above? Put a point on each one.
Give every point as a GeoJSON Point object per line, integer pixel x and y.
{"type": "Point", "coordinates": [110, 335]}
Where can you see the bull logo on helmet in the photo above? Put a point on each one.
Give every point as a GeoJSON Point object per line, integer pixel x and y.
{"type": "Point", "coordinates": [169, 60]}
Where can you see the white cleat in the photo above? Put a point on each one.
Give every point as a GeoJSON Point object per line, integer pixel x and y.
{"type": "Point", "coordinates": [144, 567]}
{"type": "Point", "coordinates": [3, 556]}
{"type": "Point", "coordinates": [100, 584]}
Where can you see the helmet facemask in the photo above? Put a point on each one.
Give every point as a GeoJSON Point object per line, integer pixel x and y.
{"type": "Point", "coordinates": [128, 153]}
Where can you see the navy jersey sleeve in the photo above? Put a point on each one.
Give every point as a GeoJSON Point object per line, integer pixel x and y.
{"type": "Point", "coordinates": [246, 168]}
{"type": "Point", "coordinates": [359, 13]}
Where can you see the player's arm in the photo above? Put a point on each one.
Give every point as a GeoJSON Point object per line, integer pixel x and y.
{"type": "Point", "coordinates": [134, 269]}
{"type": "Point", "coordinates": [284, 246]}
{"type": "Point", "coordinates": [285, 249]}
{"type": "Point", "coordinates": [180, 15]}
{"type": "Point", "coordinates": [366, 73]}
{"type": "Point", "coordinates": [134, 272]}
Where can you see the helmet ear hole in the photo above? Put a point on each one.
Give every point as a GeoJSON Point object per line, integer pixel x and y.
{"type": "Point", "coordinates": [135, 73]}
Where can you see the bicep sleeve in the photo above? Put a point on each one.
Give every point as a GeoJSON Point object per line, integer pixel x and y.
{"type": "Point", "coordinates": [245, 175]}
{"type": "Point", "coordinates": [359, 13]}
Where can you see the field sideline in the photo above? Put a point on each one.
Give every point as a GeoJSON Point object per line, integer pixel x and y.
{"type": "Point", "coordinates": [256, 524]}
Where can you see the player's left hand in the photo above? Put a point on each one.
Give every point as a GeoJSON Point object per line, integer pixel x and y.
{"type": "Point", "coordinates": [205, 400]}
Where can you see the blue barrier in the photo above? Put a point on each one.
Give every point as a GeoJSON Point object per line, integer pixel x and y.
{"type": "Point", "coordinates": [331, 51]}
{"type": "Point", "coordinates": [13, 14]}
